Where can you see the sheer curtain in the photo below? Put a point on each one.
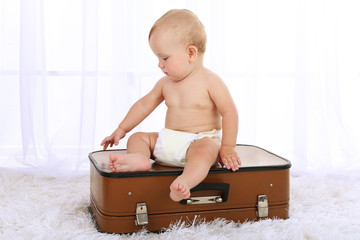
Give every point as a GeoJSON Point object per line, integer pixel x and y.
{"type": "Point", "coordinates": [70, 70]}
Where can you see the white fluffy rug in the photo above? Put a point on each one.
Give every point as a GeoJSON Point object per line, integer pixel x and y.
{"type": "Point", "coordinates": [32, 207]}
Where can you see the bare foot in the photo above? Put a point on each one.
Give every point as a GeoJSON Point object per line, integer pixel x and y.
{"type": "Point", "coordinates": [178, 191]}
{"type": "Point", "coordinates": [129, 162]}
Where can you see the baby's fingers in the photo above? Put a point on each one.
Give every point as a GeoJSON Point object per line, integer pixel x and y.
{"type": "Point", "coordinates": [234, 163]}
{"type": "Point", "coordinates": [238, 161]}
{"type": "Point", "coordinates": [228, 163]}
{"type": "Point", "coordinates": [105, 143]}
{"type": "Point", "coordinates": [225, 163]}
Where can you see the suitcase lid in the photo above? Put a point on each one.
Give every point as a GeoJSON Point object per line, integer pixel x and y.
{"type": "Point", "coordinates": [253, 158]}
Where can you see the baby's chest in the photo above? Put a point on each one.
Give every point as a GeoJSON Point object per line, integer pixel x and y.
{"type": "Point", "coordinates": [191, 98]}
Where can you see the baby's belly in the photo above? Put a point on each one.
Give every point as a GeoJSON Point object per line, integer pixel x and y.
{"type": "Point", "coordinates": [194, 121]}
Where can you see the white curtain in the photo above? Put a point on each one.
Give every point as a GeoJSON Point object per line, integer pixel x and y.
{"type": "Point", "coordinates": [70, 70]}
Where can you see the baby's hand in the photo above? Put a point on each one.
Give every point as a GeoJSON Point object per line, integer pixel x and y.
{"type": "Point", "coordinates": [229, 158]}
{"type": "Point", "coordinates": [114, 138]}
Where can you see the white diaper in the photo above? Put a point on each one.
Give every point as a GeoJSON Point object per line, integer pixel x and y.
{"type": "Point", "coordinates": [171, 146]}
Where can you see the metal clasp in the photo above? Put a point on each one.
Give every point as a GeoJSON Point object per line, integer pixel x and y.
{"type": "Point", "coordinates": [262, 206]}
{"type": "Point", "coordinates": [202, 200]}
{"type": "Point", "coordinates": [141, 214]}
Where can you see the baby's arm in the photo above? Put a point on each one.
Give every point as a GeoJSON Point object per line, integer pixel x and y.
{"type": "Point", "coordinates": [137, 113]}
{"type": "Point", "coordinates": [221, 96]}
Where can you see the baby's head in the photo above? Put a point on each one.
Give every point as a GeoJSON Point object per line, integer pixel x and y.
{"type": "Point", "coordinates": [185, 26]}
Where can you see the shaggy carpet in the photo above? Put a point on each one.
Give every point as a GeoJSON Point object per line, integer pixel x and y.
{"type": "Point", "coordinates": [321, 207]}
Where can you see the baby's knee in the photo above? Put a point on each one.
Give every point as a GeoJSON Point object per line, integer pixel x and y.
{"type": "Point", "coordinates": [205, 151]}
{"type": "Point", "coordinates": [138, 136]}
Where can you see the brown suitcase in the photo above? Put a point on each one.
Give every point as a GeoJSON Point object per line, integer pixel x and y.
{"type": "Point", "coordinates": [128, 202]}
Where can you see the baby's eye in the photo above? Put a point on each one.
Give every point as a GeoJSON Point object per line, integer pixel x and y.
{"type": "Point", "coordinates": [164, 58]}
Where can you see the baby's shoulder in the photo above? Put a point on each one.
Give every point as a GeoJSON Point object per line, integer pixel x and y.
{"type": "Point", "coordinates": [161, 82]}
{"type": "Point", "coordinates": [211, 77]}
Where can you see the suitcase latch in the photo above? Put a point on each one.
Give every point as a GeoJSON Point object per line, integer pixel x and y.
{"type": "Point", "coordinates": [202, 200]}
{"type": "Point", "coordinates": [141, 214]}
{"type": "Point", "coordinates": [262, 206]}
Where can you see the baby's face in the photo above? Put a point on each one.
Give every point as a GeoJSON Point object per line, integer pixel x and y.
{"type": "Point", "coordinates": [172, 54]}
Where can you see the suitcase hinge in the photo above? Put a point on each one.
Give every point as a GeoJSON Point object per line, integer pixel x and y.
{"type": "Point", "coordinates": [262, 207]}
{"type": "Point", "coordinates": [141, 214]}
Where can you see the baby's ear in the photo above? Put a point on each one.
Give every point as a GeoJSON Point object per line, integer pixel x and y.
{"type": "Point", "coordinates": [192, 53]}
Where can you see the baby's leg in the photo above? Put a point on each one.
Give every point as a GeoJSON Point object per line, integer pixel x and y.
{"type": "Point", "coordinates": [200, 156]}
{"type": "Point", "coordinates": [139, 149]}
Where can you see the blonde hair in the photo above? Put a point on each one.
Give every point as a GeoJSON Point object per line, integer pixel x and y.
{"type": "Point", "coordinates": [186, 25]}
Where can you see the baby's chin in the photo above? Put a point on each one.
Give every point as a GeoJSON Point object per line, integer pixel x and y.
{"type": "Point", "coordinates": [174, 78]}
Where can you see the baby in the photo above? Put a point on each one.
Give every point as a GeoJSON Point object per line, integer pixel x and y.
{"type": "Point", "coordinates": [198, 104]}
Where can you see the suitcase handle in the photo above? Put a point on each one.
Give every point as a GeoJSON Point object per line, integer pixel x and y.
{"type": "Point", "coordinates": [224, 187]}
